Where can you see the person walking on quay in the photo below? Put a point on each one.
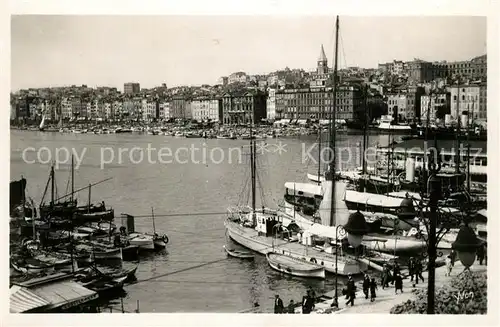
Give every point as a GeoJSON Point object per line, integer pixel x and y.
{"type": "Point", "coordinates": [396, 270]}
{"type": "Point", "coordinates": [307, 303]}
{"type": "Point", "coordinates": [373, 287]}
{"type": "Point", "coordinates": [453, 256]}
{"type": "Point", "coordinates": [278, 304]}
{"type": "Point", "coordinates": [385, 277]}
{"type": "Point", "coordinates": [291, 307]}
{"type": "Point", "coordinates": [418, 271]}
{"type": "Point", "coordinates": [449, 265]}
{"type": "Point", "coordinates": [351, 291]}
{"type": "Point", "coordinates": [411, 268]}
{"type": "Point", "coordinates": [366, 285]}
{"type": "Point", "coordinates": [480, 254]}
{"type": "Point", "coordinates": [398, 281]}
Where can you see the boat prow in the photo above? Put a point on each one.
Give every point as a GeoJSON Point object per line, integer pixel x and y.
{"type": "Point", "coordinates": [238, 253]}
{"type": "Point", "coordinates": [294, 266]}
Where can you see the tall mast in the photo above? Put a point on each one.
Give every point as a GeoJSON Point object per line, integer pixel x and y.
{"type": "Point", "coordinates": [459, 130]}
{"type": "Point", "coordinates": [365, 137]}
{"type": "Point", "coordinates": [153, 215]}
{"type": "Point", "coordinates": [72, 179]}
{"type": "Point", "coordinates": [332, 128]}
{"type": "Point", "coordinates": [319, 155]}
{"type": "Point", "coordinates": [90, 188]}
{"type": "Point", "coordinates": [252, 169]}
{"type": "Point", "coordinates": [52, 182]}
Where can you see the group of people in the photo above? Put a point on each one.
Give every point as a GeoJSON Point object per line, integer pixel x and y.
{"type": "Point", "coordinates": [307, 303]}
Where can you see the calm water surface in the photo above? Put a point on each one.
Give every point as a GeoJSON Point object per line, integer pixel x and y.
{"type": "Point", "coordinates": [165, 282]}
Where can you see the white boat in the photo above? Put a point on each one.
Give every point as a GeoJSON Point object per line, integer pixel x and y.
{"type": "Point", "coordinates": [145, 242]}
{"type": "Point", "coordinates": [259, 239]}
{"type": "Point", "coordinates": [295, 267]}
{"type": "Point", "coordinates": [238, 253]}
{"type": "Point", "coordinates": [42, 124]}
{"type": "Point", "coordinates": [386, 124]}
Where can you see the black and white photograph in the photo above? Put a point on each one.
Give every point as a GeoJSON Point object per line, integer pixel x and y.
{"type": "Point", "coordinates": [254, 164]}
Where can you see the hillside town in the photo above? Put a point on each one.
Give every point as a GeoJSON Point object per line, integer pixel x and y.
{"type": "Point", "coordinates": [399, 89]}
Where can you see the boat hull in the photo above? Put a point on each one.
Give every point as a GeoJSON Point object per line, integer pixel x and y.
{"type": "Point", "coordinates": [109, 254]}
{"type": "Point", "coordinates": [250, 239]}
{"type": "Point", "coordinates": [144, 242]}
{"type": "Point", "coordinates": [313, 272]}
{"type": "Point", "coordinates": [238, 254]}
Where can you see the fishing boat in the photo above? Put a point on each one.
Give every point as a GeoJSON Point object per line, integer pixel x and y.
{"type": "Point", "coordinates": [295, 267]}
{"type": "Point", "coordinates": [119, 272]}
{"type": "Point", "coordinates": [98, 207]}
{"type": "Point", "coordinates": [31, 266]}
{"type": "Point", "coordinates": [238, 253]}
{"type": "Point", "coordinates": [107, 253]}
{"type": "Point", "coordinates": [143, 241]}
{"type": "Point", "coordinates": [107, 215]}
{"type": "Point", "coordinates": [105, 286]}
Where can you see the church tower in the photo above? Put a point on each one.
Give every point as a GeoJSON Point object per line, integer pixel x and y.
{"type": "Point", "coordinates": [322, 62]}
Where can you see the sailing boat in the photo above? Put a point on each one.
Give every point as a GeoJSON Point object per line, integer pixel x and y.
{"type": "Point", "coordinates": [267, 231]}
{"type": "Point", "coordinates": [63, 209]}
{"type": "Point", "coordinates": [42, 124]}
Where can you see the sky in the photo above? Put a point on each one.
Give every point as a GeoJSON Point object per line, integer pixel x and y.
{"type": "Point", "coordinates": [193, 50]}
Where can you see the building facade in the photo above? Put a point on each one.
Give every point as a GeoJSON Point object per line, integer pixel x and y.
{"type": "Point", "coordinates": [271, 104]}
{"type": "Point", "coordinates": [164, 110]}
{"type": "Point", "coordinates": [207, 109]}
{"type": "Point", "coordinates": [465, 100]}
{"type": "Point", "coordinates": [317, 103]}
{"type": "Point", "coordinates": [243, 107]}
{"type": "Point", "coordinates": [437, 105]}
{"type": "Point", "coordinates": [131, 88]}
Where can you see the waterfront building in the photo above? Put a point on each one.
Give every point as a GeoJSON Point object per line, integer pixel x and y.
{"type": "Point", "coordinates": [66, 108]}
{"type": "Point", "coordinates": [164, 110]}
{"type": "Point", "coordinates": [131, 88]}
{"type": "Point", "coordinates": [437, 105]}
{"type": "Point", "coordinates": [149, 109]}
{"type": "Point", "coordinates": [465, 100]}
{"type": "Point", "coordinates": [271, 104]}
{"type": "Point", "coordinates": [180, 107]}
{"type": "Point", "coordinates": [107, 112]}
{"type": "Point", "coordinates": [316, 103]}
{"type": "Point", "coordinates": [13, 111]}
{"type": "Point", "coordinates": [206, 109]}
{"type": "Point", "coordinates": [243, 107]}
{"type": "Point", "coordinates": [404, 104]}
{"type": "Point", "coordinates": [77, 107]}
{"type": "Point", "coordinates": [116, 110]}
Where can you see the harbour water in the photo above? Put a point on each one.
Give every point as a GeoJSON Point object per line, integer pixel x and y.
{"type": "Point", "coordinates": [193, 274]}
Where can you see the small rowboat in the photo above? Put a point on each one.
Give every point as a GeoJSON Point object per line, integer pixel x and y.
{"type": "Point", "coordinates": [294, 266]}
{"type": "Point", "coordinates": [238, 253]}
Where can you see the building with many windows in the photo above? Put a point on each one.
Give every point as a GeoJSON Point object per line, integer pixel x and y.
{"type": "Point", "coordinates": [317, 103]}
{"type": "Point", "coordinates": [131, 88]}
{"type": "Point", "coordinates": [465, 100]}
{"type": "Point", "coordinates": [437, 105]}
{"type": "Point", "coordinates": [206, 109]}
{"type": "Point", "coordinates": [243, 107]}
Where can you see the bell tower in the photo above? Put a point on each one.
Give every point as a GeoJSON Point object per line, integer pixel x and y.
{"type": "Point", "coordinates": [322, 62]}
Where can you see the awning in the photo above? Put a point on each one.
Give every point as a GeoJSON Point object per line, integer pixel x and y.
{"type": "Point", "coordinates": [64, 294]}
{"type": "Point", "coordinates": [482, 212]}
{"type": "Point", "coordinates": [302, 121]}
{"type": "Point", "coordinates": [22, 300]}
{"type": "Point", "coordinates": [324, 122]}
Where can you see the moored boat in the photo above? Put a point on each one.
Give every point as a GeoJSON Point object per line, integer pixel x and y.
{"type": "Point", "coordinates": [238, 253]}
{"type": "Point", "coordinates": [143, 241]}
{"type": "Point", "coordinates": [294, 266]}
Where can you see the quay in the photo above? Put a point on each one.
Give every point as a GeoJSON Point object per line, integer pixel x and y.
{"type": "Point", "coordinates": [386, 298]}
